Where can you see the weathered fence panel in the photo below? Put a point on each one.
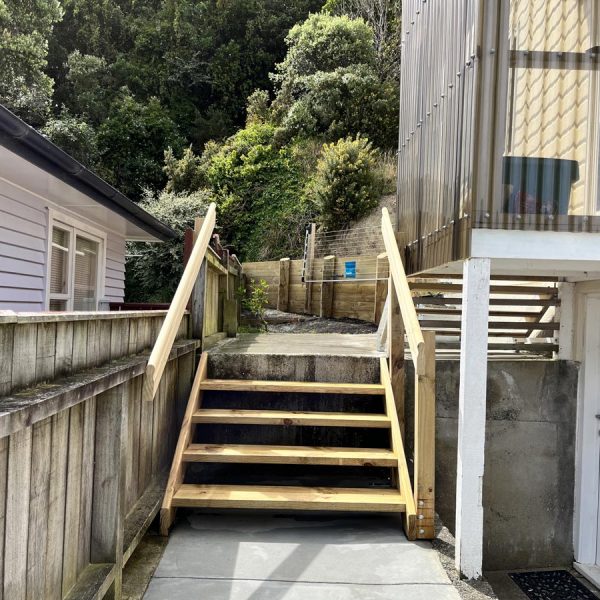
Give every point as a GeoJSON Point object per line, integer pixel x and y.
{"type": "Point", "coordinates": [83, 459]}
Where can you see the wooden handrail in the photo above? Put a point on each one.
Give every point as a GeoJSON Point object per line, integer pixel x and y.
{"type": "Point", "coordinates": [414, 334]}
{"type": "Point", "coordinates": [168, 331]}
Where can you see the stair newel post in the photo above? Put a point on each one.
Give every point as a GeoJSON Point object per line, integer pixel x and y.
{"type": "Point", "coordinates": [308, 271]}
{"type": "Point", "coordinates": [424, 443]}
{"type": "Point", "coordinates": [327, 287]}
{"type": "Point", "coordinates": [395, 340]}
{"type": "Point", "coordinates": [283, 289]}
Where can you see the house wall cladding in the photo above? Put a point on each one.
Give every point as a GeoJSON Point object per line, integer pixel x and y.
{"type": "Point", "coordinates": [24, 252]}
{"type": "Point", "coordinates": [529, 459]}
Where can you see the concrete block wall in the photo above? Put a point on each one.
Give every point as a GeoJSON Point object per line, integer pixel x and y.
{"type": "Point", "coordinates": [529, 460]}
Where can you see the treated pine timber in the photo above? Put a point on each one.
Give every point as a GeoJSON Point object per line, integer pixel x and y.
{"type": "Point", "coordinates": [307, 387]}
{"type": "Point", "coordinates": [395, 344]}
{"type": "Point", "coordinates": [403, 292]}
{"type": "Point", "coordinates": [290, 455]}
{"type": "Point", "coordinates": [166, 337]}
{"type": "Point", "coordinates": [436, 300]}
{"type": "Point", "coordinates": [177, 473]}
{"type": "Point", "coordinates": [309, 268]}
{"type": "Point", "coordinates": [513, 290]}
{"type": "Point", "coordinates": [327, 287]}
{"type": "Point", "coordinates": [289, 497]}
{"type": "Point", "coordinates": [296, 418]}
{"type": "Point", "coordinates": [403, 476]}
{"type": "Point", "coordinates": [424, 442]}
{"type": "Point", "coordinates": [382, 272]}
{"type": "Point", "coordinates": [283, 289]}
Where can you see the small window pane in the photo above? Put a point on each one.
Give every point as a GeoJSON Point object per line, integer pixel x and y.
{"type": "Point", "coordinates": [59, 261]}
{"type": "Point", "coordinates": [86, 274]}
{"type": "Point", "coordinates": [58, 305]}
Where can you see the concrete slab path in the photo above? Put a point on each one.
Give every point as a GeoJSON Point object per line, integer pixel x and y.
{"type": "Point", "coordinates": [314, 557]}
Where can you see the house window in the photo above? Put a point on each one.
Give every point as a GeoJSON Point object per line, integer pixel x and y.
{"type": "Point", "coordinates": [75, 268]}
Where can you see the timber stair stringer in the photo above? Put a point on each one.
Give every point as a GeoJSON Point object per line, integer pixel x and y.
{"type": "Point", "coordinates": [398, 498]}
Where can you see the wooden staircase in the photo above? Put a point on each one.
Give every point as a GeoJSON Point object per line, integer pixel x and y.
{"type": "Point", "coordinates": [397, 497]}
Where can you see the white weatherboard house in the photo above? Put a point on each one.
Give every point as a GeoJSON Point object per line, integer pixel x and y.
{"type": "Point", "coordinates": [62, 228]}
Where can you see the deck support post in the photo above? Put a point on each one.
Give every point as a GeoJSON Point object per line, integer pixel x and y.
{"type": "Point", "coordinates": [471, 417]}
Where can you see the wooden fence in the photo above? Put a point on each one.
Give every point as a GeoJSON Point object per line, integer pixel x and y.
{"type": "Point", "coordinates": [82, 457]}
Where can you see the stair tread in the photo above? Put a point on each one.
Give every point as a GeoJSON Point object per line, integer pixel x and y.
{"type": "Point", "coordinates": [292, 386]}
{"type": "Point", "coordinates": [282, 417]}
{"type": "Point", "coordinates": [288, 497]}
{"type": "Point", "coordinates": [255, 453]}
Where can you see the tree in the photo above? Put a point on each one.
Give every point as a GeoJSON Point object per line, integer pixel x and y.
{"type": "Point", "coordinates": [25, 26]}
{"type": "Point", "coordinates": [384, 18]}
{"type": "Point", "coordinates": [154, 270]}
{"type": "Point", "coordinates": [74, 136]}
{"type": "Point", "coordinates": [329, 86]}
{"type": "Point", "coordinates": [132, 141]}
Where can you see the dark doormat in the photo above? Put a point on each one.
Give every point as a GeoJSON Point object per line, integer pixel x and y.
{"type": "Point", "coordinates": [551, 585]}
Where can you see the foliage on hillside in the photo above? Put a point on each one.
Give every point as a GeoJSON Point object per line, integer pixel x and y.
{"type": "Point", "coordinates": [283, 112]}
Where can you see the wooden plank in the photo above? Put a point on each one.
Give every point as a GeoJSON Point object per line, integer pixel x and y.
{"type": "Point", "coordinates": [160, 353]}
{"type": "Point", "coordinates": [56, 503]}
{"type": "Point", "coordinates": [382, 273]}
{"type": "Point", "coordinates": [45, 351]}
{"type": "Point", "coordinates": [6, 360]}
{"type": "Point", "coordinates": [3, 492]}
{"type": "Point", "coordinates": [119, 338]}
{"type": "Point", "coordinates": [327, 287]}
{"type": "Point", "coordinates": [197, 302]}
{"type": "Point", "coordinates": [290, 455]}
{"type": "Point", "coordinates": [73, 499]}
{"type": "Point", "coordinates": [134, 396]}
{"type": "Point", "coordinates": [308, 275]}
{"type": "Point", "coordinates": [283, 288]}
{"type": "Point", "coordinates": [79, 358]}
{"type": "Point", "coordinates": [35, 404]}
{"type": "Point", "coordinates": [289, 497]}
{"type": "Point", "coordinates": [424, 442]}
{"type": "Point", "coordinates": [23, 357]}
{"type": "Point", "coordinates": [17, 515]}
{"type": "Point", "coordinates": [432, 287]}
{"type": "Point", "coordinates": [403, 292]}
{"type": "Point", "coordinates": [94, 583]}
{"type": "Point", "coordinates": [88, 457]}
{"type": "Point", "coordinates": [230, 317]}
{"type": "Point", "coordinates": [395, 342]}
{"type": "Point", "coordinates": [403, 477]}
{"type": "Point", "coordinates": [308, 387]}
{"type": "Point", "coordinates": [296, 418]}
{"type": "Point", "coordinates": [64, 348]}
{"type": "Point", "coordinates": [520, 302]}
{"type": "Point", "coordinates": [109, 483]}
{"type": "Point", "coordinates": [177, 473]}
{"type": "Point", "coordinates": [93, 344]}
{"type": "Point", "coordinates": [38, 510]}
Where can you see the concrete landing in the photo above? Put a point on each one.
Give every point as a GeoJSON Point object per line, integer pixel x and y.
{"type": "Point", "coordinates": [301, 344]}
{"type": "Point", "coordinates": [267, 557]}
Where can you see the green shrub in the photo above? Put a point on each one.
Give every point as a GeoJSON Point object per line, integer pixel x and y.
{"type": "Point", "coordinates": [346, 186]}
{"type": "Point", "coordinates": [255, 299]}
{"type": "Point", "coordinates": [154, 270]}
{"type": "Point", "coordinates": [258, 187]}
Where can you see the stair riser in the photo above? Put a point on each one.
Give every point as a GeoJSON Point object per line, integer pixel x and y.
{"type": "Point", "coordinates": [288, 422]}
{"type": "Point", "coordinates": [292, 435]}
{"type": "Point", "coordinates": [328, 369]}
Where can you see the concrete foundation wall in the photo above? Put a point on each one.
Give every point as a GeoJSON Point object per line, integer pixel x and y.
{"type": "Point", "coordinates": [529, 460]}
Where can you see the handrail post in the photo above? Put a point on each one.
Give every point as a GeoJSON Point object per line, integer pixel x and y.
{"type": "Point", "coordinates": [166, 336]}
{"type": "Point", "coordinates": [424, 444]}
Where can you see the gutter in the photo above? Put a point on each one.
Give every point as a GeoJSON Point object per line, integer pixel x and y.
{"type": "Point", "coordinates": [25, 141]}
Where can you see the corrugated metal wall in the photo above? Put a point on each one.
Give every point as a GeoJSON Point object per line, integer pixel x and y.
{"type": "Point", "coordinates": [438, 88]}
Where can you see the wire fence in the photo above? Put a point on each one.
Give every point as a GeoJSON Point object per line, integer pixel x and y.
{"type": "Point", "coordinates": [344, 256]}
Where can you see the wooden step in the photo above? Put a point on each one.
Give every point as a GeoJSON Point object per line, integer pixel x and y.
{"type": "Point", "coordinates": [290, 455]}
{"type": "Point", "coordinates": [306, 387]}
{"type": "Point", "coordinates": [280, 417]}
{"type": "Point", "coordinates": [288, 497]}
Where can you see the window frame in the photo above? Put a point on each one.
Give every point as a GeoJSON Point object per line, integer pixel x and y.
{"type": "Point", "coordinates": [75, 228]}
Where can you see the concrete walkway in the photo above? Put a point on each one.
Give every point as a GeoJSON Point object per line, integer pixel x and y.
{"type": "Point", "coordinates": [308, 557]}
